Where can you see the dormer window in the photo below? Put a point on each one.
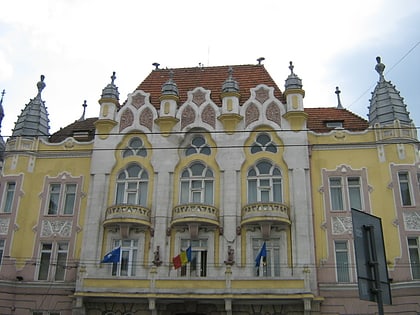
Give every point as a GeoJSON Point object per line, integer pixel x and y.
{"type": "Point", "coordinates": [334, 124]}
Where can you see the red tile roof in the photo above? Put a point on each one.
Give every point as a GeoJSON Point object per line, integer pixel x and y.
{"type": "Point", "coordinates": [318, 117]}
{"type": "Point", "coordinates": [210, 78]}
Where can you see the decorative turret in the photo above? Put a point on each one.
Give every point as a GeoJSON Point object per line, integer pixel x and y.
{"type": "Point", "coordinates": [109, 102]}
{"type": "Point", "coordinates": [386, 104]}
{"type": "Point", "coordinates": [230, 103]}
{"type": "Point", "coordinates": [168, 105]}
{"type": "Point", "coordinates": [33, 121]}
{"type": "Point", "coordinates": [294, 101]}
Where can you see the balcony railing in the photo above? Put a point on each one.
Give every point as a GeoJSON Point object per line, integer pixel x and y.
{"type": "Point", "coordinates": [265, 212]}
{"type": "Point", "coordinates": [195, 213]}
{"type": "Point", "coordinates": [127, 214]}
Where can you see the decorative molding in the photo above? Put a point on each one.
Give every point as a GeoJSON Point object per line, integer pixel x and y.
{"type": "Point", "coordinates": [60, 228]}
{"type": "Point", "coordinates": [412, 220]}
{"type": "Point", "coordinates": [341, 225]}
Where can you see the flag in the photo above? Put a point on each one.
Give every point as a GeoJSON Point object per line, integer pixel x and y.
{"type": "Point", "coordinates": [261, 254]}
{"type": "Point", "coordinates": [182, 259]}
{"type": "Point", "coordinates": [113, 256]}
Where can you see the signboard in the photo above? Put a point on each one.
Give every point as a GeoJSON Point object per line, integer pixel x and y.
{"type": "Point", "coordinates": [371, 264]}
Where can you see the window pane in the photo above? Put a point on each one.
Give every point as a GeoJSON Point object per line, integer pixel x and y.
{"type": "Point", "coordinates": [197, 169]}
{"type": "Point", "coordinates": [143, 194]}
{"type": "Point", "coordinates": [264, 167]}
{"type": "Point", "coordinates": [1, 250]}
{"type": "Point", "coordinates": [120, 193]}
{"type": "Point", "coordinates": [342, 261]}
{"type": "Point", "coordinates": [185, 192]}
{"type": "Point", "coordinates": [405, 188]}
{"type": "Point", "coordinates": [263, 139]}
{"type": "Point", "coordinates": [44, 264]}
{"type": "Point", "coordinates": [10, 192]}
{"type": "Point", "coordinates": [277, 196]}
{"type": "Point", "coordinates": [336, 193]}
{"type": "Point", "coordinates": [70, 198]}
{"type": "Point", "coordinates": [54, 198]}
{"type": "Point", "coordinates": [198, 141]}
{"type": "Point", "coordinates": [208, 192]}
{"type": "Point", "coordinates": [124, 262]}
{"type": "Point", "coordinates": [61, 266]}
{"type": "Point", "coordinates": [252, 190]}
{"type": "Point", "coordinates": [414, 257]}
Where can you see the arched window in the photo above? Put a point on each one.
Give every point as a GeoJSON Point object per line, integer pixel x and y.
{"type": "Point", "coordinates": [132, 185]}
{"type": "Point", "coordinates": [264, 183]}
{"type": "Point", "coordinates": [197, 184]}
{"type": "Point", "coordinates": [135, 147]}
{"type": "Point", "coordinates": [198, 145]}
{"type": "Point", "coordinates": [263, 143]}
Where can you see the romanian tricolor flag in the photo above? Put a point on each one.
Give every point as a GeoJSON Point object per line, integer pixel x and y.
{"type": "Point", "coordinates": [182, 259]}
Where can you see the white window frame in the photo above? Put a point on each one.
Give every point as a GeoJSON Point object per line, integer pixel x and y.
{"type": "Point", "coordinates": [53, 258]}
{"type": "Point", "coordinates": [126, 267]}
{"type": "Point", "coordinates": [8, 194]}
{"type": "Point", "coordinates": [264, 187]}
{"type": "Point", "coordinates": [414, 253]}
{"type": "Point", "coordinates": [198, 267]}
{"type": "Point", "coordinates": [132, 189]}
{"type": "Point", "coordinates": [405, 186]}
{"type": "Point", "coordinates": [343, 273]}
{"type": "Point", "coordinates": [341, 194]}
{"type": "Point", "coordinates": [57, 201]}
{"type": "Point", "coordinates": [271, 265]}
{"type": "Point", "coordinates": [197, 187]}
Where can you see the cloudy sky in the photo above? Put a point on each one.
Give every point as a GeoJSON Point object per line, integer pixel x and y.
{"type": "Point", "coordinates": [77, 44]}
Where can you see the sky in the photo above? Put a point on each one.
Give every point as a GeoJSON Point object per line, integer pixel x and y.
{"type": "Point", "coordinates": [77, 44]}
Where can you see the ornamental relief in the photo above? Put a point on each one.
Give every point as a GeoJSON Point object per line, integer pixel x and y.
{"type": "Point", "coordinates": [273, 113]}
{"type": "Point", "coordinates": [187, 117]}
{"type": "Point", "coordinates": [4, 226]}
{"type": "Point", "coordinates": [412, 220]}
{"type": "Point", "coordinates": [146, 118]}
{"type": "Point", "coordinates": [208, 116]}
{"type": "Point", "coordinates": [251, 114]}
{"type": "Point", "coordinates": [56, 228]}
{"type": "Point", "coordinates": [261, 95]}
{"type": "Point", "coordinates": [341, 225]}
{"type": "Point", "coordinates": [127, 119]}
{"type": "Point", "coordinates": [138, 100]}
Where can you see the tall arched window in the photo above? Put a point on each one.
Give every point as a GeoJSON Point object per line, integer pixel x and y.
{"type": "Point", "coordinates": [197, 184]}
{"type": "Point", "coordinates": [132, 185]}
{"type": "Point", "coordinates": [264, 183]}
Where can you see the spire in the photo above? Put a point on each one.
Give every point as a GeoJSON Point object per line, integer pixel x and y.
{"type": "Point", "coordinates": [33, 121]}
{"type": "Point", "coordinates": [337, 91]}
{"type": "Point", "coordinates": [293, 81]}
{"type": "Point", "coordinates": [111, 90]}
{"type": "Point", "coordinates": [386, 104]}
{"type": "Point", "coordinates": [84, 111]}
{"type": "Point", "coordinates": [2, 144]}
{"type": "Point", "coordinates": [230, 84]}
{"type": "Point", "coordinates": [170, 87]}
{"type": "Point", "coordinates": [1, 107]}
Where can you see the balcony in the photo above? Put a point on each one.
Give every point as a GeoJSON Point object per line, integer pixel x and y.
{"type": "Point", "coordinates": [195, 213]}
{"type": "Point", "coordinates": [265, 212]}
{"type": "Point", "coordinates": [134, 216]}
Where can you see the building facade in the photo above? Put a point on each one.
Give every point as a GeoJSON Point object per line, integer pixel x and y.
{"type": "Point", "coordinates": [207, 191]}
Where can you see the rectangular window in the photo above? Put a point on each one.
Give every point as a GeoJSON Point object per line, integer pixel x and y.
{"type": "Point", "coordinates": [342, 261]}
{"type": "Point", "coordinates": [128, 258]}
{"type": "Point", "coordinates": [355, 195]}
{"type": "Point", "coordinates": [345, 193]}
{"type": "Point", "coordinates": [404, 180]}
{"type": "Point", "coordinates": [62, 198]}
{"type": "Point", "coordinates": [414, 253]}
{"type": "Point", "coordinates": [1, 250]}
{"type": "Point", "coordinates": [53, 261]}
{"type": "Point", "coordinates": [336, 192]}
{"type": "Point", "coordinates": [269, 265]}
{"type": "Point", "coordinates": [9, 194]}
{"type": "Point", "coordinates": [197, 267]}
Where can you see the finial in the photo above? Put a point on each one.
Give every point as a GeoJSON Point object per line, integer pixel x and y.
{"type": "Point", "coordinates": [41, 85]}
{"type": "Point", "coordinates": [171, 74]}
{"type": "Point", "coordinates": [2, 95]}
{"type": "Point", "coordinates": [380, 67]}
{"type": "Point", "coordinates": [230, 71]}
{"type": "Point", "coordinates": [84, 111]}
{"type": "Point", "coordinates": [291, 67]}
{"type": "Point", "coordinates": [260, 60]}
{"type": "Point", "coordinates": [337, 91]}
{"type": "Point", "coordinates": [113, 77]}
{"type": "Point", "coordinates": [156, 64]}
